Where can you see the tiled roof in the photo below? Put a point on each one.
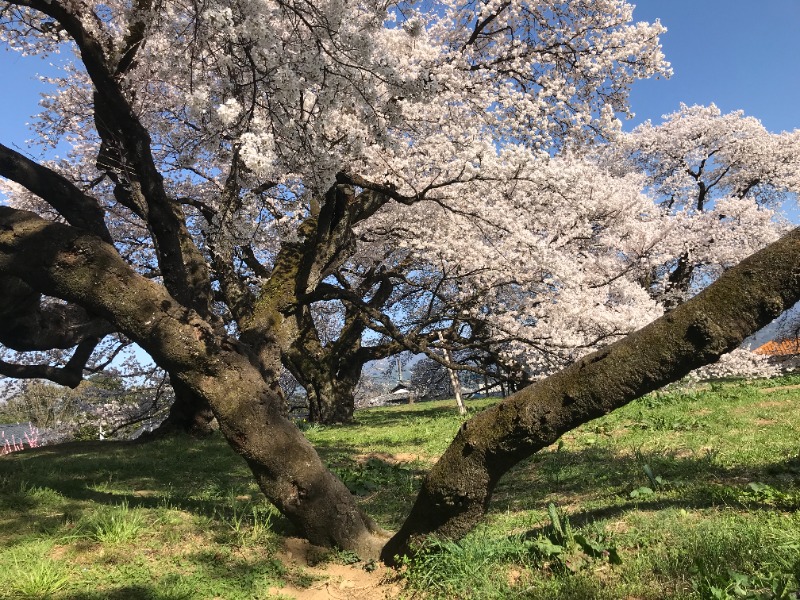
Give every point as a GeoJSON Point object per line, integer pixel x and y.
{"type": "Point", "coordinates": [788, 347]}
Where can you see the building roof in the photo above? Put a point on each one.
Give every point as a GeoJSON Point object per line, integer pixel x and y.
{"type": "Point", "coordinates": [783, 347]}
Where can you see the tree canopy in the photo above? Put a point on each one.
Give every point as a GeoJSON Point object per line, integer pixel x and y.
{"type": "Point", "coordinates": [235, 165]}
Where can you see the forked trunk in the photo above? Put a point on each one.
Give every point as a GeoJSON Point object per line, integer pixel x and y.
{"type": "Point", "coordinates": [331, 402]}
{"type": "Point", "coordinates": [330, 386]}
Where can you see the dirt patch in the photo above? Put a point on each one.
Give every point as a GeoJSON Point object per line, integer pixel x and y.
{"type": "Point", "coordinates": [702, 412]}
{"type": "Point", "coordinates": [779, 388]}
{"type": "Point", "coordinates": [514, 575]}
{"type": "Point", "coordinates": [781, 404]}
{"type": "Point", "coordinates": [334, 581]}
{"type": "Point", "coordinates": [393, 459]}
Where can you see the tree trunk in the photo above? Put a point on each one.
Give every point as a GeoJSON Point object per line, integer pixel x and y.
{"type": "Point", "coordinates": [189, 413]}
{"type": "Point", "coordinates": [330, 382]}
{"type": "Point", "coordinates": [242, 390]}
{"type": "Point", "coordinates": [456, 492]}
{"type": "Point", "coordinates": [454, 381]}
{"type": "Point", "coordinates": [331, 401]}
{"type": "Point", "coordinates": [285, 465]}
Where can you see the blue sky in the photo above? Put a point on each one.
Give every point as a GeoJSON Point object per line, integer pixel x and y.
{"type": "Point", "coordinates": [738, 54]}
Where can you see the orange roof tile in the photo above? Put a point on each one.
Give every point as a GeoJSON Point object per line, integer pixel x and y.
{"type": "Point", "coordinates": [779, 348]}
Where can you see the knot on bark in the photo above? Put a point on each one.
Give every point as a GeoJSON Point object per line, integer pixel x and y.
{"type": "Point", "coordinates": [705, 335]}
{"type": "Point", "coordinates": [772, 307]}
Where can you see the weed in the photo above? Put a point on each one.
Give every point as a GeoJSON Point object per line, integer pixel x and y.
{"type": "Point", "coordinates": [740, 586]}
{"type": "Point", "coordinates": [566, 549]}
{"type": "Point", "coordinates": [35, 577]}
{"type": "Point", "coordinates": [248, 523]}
{"type": "Point", "coordinates": [114, 525]}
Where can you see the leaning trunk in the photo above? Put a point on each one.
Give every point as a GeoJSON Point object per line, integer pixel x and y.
{"type": "Point", "coordinates": [456, 492]}
{"type": "Point", "coordinates": [285, 465]}
{"type": "Point", "coordinates": [242, 390]}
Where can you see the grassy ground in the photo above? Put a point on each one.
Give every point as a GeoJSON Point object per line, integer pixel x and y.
{"type": "Point", "coordinates": [682, 494]}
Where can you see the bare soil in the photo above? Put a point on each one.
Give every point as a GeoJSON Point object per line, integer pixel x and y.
{"type": "Point", "coordinates": [335, 581]}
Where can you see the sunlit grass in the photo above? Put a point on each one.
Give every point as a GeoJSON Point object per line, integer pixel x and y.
{"type": "Point", "coordinates": [696, 491]}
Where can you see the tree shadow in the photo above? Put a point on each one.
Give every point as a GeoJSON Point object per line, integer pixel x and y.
{"type": "Point", "coordinates": [420, 410]}
{"type": "Point", "coordinates": [690, 482]}
{"type": "Point", "coordinates": [200, 477]}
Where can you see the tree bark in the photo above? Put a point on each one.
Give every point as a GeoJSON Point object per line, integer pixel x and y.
{"type": "Point", "coordinates": [242, 390]}
{"type": "Point", "coordinates": [457, 491]}
{"type": "Point", "coordinates": [454, 381]}
{"type": "Point", "coordinates": [285, 465]}
{"type": "Point", "coordinates": [331, 401]}
{"type": "Point", "coordinates": [189, 414]}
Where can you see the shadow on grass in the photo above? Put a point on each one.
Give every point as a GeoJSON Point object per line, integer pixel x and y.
{"type": "Point", "coordinates": [603, 485]}
{"type": "Point", "coordinates": [439, 409]}
{"type": "Point", "coordinates": [200, 477]}
{"type": "Point", "coordinates": [132, 592]}
{"type": "Point", "coordinates": [215, 575]}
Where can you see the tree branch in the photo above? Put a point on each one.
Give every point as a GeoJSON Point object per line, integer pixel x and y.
{"type": "Point", "coordinates": [65, 197]}
{"type": "Point", "coordinates": [27, 323]}
{"type": "Point", "coordinates": [131, 161]}
{"type": "Point", "coordinates": [70, 375]}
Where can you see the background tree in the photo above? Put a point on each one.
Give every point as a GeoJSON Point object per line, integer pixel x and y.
{"type": "Point", "coordinates": [722, 178]}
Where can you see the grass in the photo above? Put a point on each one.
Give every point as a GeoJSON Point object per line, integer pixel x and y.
{"type": "Point", "coordinates": [684, 494]}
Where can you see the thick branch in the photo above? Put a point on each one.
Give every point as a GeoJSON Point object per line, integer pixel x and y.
{"type": "Point", "coordinates": [69, 375]}
{"type": "Point", "coordinates": [28, 323]}
{"type": "Point", "coordinates": [128, 143]}
{"type": "Point", "coordinates": [71, 203]}
{"type": "Point", "coordinates": [64, 262]}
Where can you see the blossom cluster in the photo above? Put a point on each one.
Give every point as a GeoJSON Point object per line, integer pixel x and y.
{"type": "Point", "coordinates": [740, 363]}
{"type": "Point", "coordinates": [524, 215]}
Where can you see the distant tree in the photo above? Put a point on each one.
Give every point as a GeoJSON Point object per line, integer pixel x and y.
{"type": "Point", "coordinates": [44, 405]}
{"type": "Point", "coordinates": [721, 177]}
{"type": "Point", "coordinates": [99, 406]}
{"type": "Point", "coordinates": [430, 379]}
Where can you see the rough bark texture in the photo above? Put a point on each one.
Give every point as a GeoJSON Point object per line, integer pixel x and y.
{"type": "Point", "coordinates": [189, 413]}
{"type": "Point", "coordinates": [456, 492]}
{"type": "Point", "coordinates": [331, 400]}
{"type": "Point", "coordinates": [285, 465]}
{"type": "Point", "coordinates": [65, 262]}
{"type": "Point", "coordinates": [328, 375]}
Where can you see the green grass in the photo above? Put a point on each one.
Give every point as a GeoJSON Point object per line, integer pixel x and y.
{"type": "Point", "coordinates": [689, 494]}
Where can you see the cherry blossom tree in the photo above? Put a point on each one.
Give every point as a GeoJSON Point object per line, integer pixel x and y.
{"type": "Point", "coordinates": [608, 260]}
{"type": "Point", "coordinates": [540, 275]}
{"type": "Point", "coordinates": [723, 178]}
{"type": "Point", "coordinates": [226, 156]}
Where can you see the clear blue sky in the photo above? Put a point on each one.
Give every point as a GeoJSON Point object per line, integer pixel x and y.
{"type": "Point", "coordinates": [739, 54]}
